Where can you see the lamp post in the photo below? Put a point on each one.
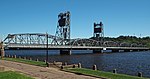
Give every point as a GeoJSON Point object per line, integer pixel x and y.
{"type": "Point", "coordinates": [46, 48]}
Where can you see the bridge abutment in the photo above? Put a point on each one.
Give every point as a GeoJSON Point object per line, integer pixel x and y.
{"type": "Point", "coordinates": [65, 52]}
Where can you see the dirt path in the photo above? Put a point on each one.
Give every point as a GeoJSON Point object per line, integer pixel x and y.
{"type": "Point", "coordinates": [41, 72]}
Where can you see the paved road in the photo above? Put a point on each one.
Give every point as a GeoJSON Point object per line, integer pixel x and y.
{"type": "Point", "coordinates": [41, 72]}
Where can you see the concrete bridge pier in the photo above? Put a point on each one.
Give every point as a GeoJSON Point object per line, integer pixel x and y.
{"type": "Point", "coordinates": [97, 51]}
{"type": "Point", "coordinates": [135, 50]}
{"type": "Point", "coordinates": [127, 50]}
{"type": "Point", "coordinates": [115, 50]}
{"type": "Point", "coordinates": [141, 50]}
{"type": "Point", "coordinates": [145, 49]}
{"type": "Point", "coordinates": [65, 52]}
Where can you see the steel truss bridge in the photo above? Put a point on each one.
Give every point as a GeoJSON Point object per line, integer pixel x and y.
{"type": "Point", "coordinates": [35, 39]}
{"type": "Point", "coordinates": [61, 40]}
{"type": "Point", "coordinates": [39, 41]}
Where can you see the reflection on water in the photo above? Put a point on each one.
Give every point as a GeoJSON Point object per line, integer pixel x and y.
{"type": "Point", "coordinates": [127, 63]}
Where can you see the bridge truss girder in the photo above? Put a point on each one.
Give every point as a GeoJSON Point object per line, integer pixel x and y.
{"type": "Point", "coordinates": [41, 39]}
{"type": "Point", "coordinates": [31, 38]}
{"type": "Point", "coordinates": [84, 42]}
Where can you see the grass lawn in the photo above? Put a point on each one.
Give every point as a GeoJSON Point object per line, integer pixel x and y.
{"type": "Point", "coordinates": [108, 75]}
{"type": "Point", "coordinates": [32, 62]}
{"type": "Point", "coordinates": [13, 75]}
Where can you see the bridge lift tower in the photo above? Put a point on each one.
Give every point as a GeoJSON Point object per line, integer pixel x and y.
{"type": "Point", "coordinates": [63, 28]}
{"type": "Point", "coordinates": [99, 32]}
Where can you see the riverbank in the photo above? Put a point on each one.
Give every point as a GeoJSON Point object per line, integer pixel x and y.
{"type": "Point", "coordinates": [100, 74]}
{"type": "Point", "coordinates": [125, 63]}
{"type": "Point", "coordinates": [26, 61]}
{"type": "Point", "coordinates": [86, 72]}
{"type": "Point", "coordinates": [39, 72]}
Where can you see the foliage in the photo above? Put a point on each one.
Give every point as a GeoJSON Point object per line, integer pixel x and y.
{"type": "Point", "coordinates": [130, 41]}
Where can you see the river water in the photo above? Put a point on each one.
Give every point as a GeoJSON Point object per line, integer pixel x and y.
{"type": "Point", "coordinates": [125, 62]}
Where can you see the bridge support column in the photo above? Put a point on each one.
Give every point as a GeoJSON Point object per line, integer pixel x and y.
{"type": "Point", "coordinates": [115, 50]}
{"type": "Point", "coordinates": [65, 52]}
{"type": "Point", "coordinates": [97, 51]}
{"type": "Point", "coordinates": [141, 50]}
{"type": "Point", "coordinates": [146, 50]}
{"type": "Point", "coordinates": [135, 50]}
{"type": "Point", "coordinates": [127, 50]}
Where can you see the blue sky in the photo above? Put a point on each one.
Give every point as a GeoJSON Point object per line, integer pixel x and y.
{"type": "Point", "coordinates": [120, 17]}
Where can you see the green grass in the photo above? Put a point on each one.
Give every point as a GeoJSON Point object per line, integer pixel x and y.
{"type": "Point", "coordinates": [102, 74]}
{"type": "Point", "coordinates": [13, 75]}
{"type": "Point", "coordinates": [31, 62]}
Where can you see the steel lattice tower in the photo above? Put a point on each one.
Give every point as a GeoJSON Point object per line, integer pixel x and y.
{"type": "Point", "coordinates": [99, 32]}
{"type": "Point", "coordinates": [63, 27]}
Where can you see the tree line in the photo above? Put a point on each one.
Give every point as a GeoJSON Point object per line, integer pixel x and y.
{"type": "Point", "coordinates": [129, 41]}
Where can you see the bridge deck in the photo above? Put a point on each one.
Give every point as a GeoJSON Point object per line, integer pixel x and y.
{"type": "Point", "coordinates": [73, 47]}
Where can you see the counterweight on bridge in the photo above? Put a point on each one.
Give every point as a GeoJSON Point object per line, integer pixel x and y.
{"type": "Point", "coordinates": [63, 28]}
{"type": "Point", "coordinates": [99, 32]}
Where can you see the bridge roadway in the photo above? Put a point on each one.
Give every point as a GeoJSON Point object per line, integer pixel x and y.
{"type": "Point", "coordinates": [22, 46]}
{"type": "Point", "coordinates": [67, 49]}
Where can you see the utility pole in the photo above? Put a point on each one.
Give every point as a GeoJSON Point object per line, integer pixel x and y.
{"type": "Point", "coordinates": [46, 48]}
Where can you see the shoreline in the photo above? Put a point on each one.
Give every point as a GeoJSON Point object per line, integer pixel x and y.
{"type": "Point", "coordinates": [11, 60]}
{"type": "Point", "coordinates": [42, 72]}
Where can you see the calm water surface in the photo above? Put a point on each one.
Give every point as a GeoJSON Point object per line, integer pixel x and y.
{"type": "Point", "coordinates": [126, 63]}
